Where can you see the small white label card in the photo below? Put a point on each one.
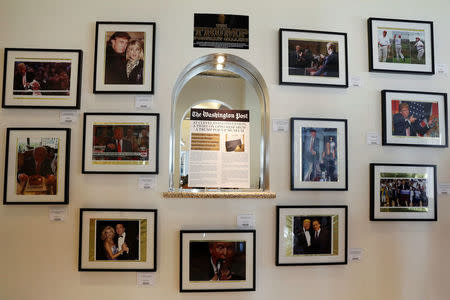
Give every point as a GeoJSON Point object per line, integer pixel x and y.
{"type": "Point", "coordinates": [280, 125]}
{"type": "Point", "coordinates": [57, 214]}
{"type": "Point", "coordinates": [355, 81]}
{"type": "Point", "coordinates": [68, 117]}
{"type": "Point", "coordinates": [146, 182]}
{"type": "Point", "coordinates": [442, 69]}
{"type": "Point", "coordinates": [143, 102]}
{"type": "Point", "coordinates": [444, 188]}
{"type": "Point", "coordinates": [355, 254]}
{"type": "Point", "coordinates": [246, 221]}
{"type": "Point", "coordinates": [373, 138]}
{"type": "Point", "coordinates": [145, 278]}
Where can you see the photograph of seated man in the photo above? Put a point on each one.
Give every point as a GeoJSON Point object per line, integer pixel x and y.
{"type": "Point", "coordinates": [313, 58]}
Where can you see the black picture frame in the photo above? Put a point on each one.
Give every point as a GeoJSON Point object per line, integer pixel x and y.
{"type": "Point", "coordinates": [36, 194]}
{"type": "Point", "coordinates": [399, 212]}
{"type": "Point", "coordinates": [147, 45]}
{"type": "Point", "coordinates": [375, 65]}
{"type": "Point", "coordinates": [291, 73]}
{"type": "Point", "coordinates": [338, 181]}
{"type": "Point", "coordinates": [288, 251]}
{"type": "Point", "coordinates": [206, 285]}
{"type": "Point", "coordinates": [115, 216]}
{"type": "Point", "coordinates": [31, 96]}
{"type": "Point", "coordinates": [128, 119]}
{"type": "Point", "coordinates": [428, 105]}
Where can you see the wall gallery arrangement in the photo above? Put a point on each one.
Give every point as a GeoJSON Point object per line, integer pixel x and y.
{"type": "Point", "coordinates": [37, 159]}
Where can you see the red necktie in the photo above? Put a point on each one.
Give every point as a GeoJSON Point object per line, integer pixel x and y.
{"type": "Point", "coordinates": [119, 149]}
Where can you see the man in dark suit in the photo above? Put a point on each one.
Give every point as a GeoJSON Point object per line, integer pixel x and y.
{"type": "Point", "coordinates": [219, 265]}
{"type": "Point", "coordinates": [37, 165]}
{"type": "Point", "coordinates": [303, 238]}
{"type": "Point", "coordinates": [118, 144]}
{"type": "Point", "coordinates": [330, 67]}
{"type": "Point", "coordinates": [406, 125]}
{"type": "Point", "coordinates": [115, 61]}
{"type": "Point", "coordinates": [131, 241]}
{"type": "Point", "coordinates": [310, 156]}
{"type": "Point", "coordinates": [321, 239]}
{"type": "Point", "coordinates": [22, 80]}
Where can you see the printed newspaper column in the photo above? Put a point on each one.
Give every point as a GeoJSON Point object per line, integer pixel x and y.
{"type": "Point", "coordinates": [219, 149]}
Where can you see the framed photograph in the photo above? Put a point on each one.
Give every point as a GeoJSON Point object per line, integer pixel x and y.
{"type": "Point", "coordinates": [311, 235]}
{"type": "Point", "coordinates": [42, 78]}
{"type": "Point", "coordinates": [37, 165]}
{"type": "Point", "coordinates": [316, 58]}
{"type": "Point", "coordinates": [217, 260]}
{"type": "Point", "coordinates": [121, 143]}
{"type": "Point", "coordinates": [319, 154]}
{"type": "Point", "coordinates": [414, 118]}
{"type": "Point", "coordinates": [124, 57]}
{"type": "Point", "coordinates": [402, 46]}
{"type": "Point", "coordinates": [117, 240]}
{"type": "Point", "coordinates": [402, 192]}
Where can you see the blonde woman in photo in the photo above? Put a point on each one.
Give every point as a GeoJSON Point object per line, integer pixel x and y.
{"type": "Point", "coordinates": [135, 62]}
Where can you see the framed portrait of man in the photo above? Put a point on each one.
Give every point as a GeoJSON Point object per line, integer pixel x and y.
{"type": "Point", "coordinates": [42, 78]}
{"type": "Point", "coordinates": [124, 57]}
{"type": "Point", "coordinates": [401, 46]}
{"type": "Point", "coordinates": [315, 58]}
{"type": "Point", "coordinates": [121, 143]}
{"type": "Point", "coordinates": [412, 118]}
{"type": "Point", "coordinates": [217, 260]}
{"type": "Point", "coordinates": [403, 192]}
{"type": "Point", "coordinates": [37, 166]}
{"type": "Point", "coordinates": [318, 154]}
{"type": "Point", "coordinates": [117, 240]}
{"type": "Point", "coordinates": [311, 235]}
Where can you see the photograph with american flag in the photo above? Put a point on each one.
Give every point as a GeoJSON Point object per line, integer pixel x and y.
{"type": "Point", "coordinates": [414, 118]}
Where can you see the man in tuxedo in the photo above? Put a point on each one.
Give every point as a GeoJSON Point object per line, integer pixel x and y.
{"type": "Point", "coordinates": [118, 144]}
{"type": "Point", "coordinates": [219, 265]}
{"type": "Point", "coordinates": [311, 156]}
{"type": "Point", "coordinates": [408, 125]}
{"type": "Point", "coordinates": [129, 240]}
{"type": "Point", "coordinates": [321, 239]}
{"type": "Point", "coordinates": [303, 238]}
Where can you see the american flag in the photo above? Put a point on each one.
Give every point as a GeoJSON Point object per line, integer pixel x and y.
{"type": "Point", "coordinates": [422, 111]}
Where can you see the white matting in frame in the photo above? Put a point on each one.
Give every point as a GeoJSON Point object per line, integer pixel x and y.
{"type": "Point", "coordinates": [148, 164]}
{"type": "Point", "coordinates": [298, 141]}
{"type": "Point", "coordinates": [286, 232]}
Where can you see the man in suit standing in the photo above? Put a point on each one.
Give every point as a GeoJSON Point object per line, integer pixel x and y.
{"type": "Point", "coordinates": [118, 144]}
{"type": "Point", "coordinates": [311, 156]}
{"type": "Point", "coordinates": [129, 240]}
{"type": "Point", "coordinates": [406, 125]}
{"type": "Point", "coordinates": [303, 239]}
{"type": "Point", "coordinates": [321, 239]}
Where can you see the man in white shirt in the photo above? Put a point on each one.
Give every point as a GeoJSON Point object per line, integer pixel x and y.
{"type": "Point", "coordinates": [398, 47]}
{"type": "Point", "coordinates": [420, 48]}
{"type": "Point", "coordinates": [384, 45]}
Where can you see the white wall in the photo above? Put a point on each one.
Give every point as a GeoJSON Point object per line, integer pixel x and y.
{"type": "Point", "coordinates": [402, 260]}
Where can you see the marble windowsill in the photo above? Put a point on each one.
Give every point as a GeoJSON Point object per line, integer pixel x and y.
{"type": "Point", "coordinates": [255, 195]}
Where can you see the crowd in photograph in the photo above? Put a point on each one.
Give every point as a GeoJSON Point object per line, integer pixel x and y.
{"type": "Point", "coordinates": [403, 192]}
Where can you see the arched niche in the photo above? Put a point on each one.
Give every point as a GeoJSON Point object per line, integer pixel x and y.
{"type": "Point", "coordinates": [209, 82]}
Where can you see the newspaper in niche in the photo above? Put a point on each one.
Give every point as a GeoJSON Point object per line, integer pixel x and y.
{"type": "Point", "coordinates": [219, 149]}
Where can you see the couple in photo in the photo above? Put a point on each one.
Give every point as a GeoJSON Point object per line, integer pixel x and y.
{"type": "Point", "coordinates": [117, 245]}
{"type": "Point", "coordinates": [124, 62]}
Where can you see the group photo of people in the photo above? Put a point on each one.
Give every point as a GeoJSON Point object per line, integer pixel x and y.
{"type": "Point", "coordinates": [414, 118]}
{"type": "Point", "coordinates": [319, 154]}
{"type": "Point", "coordinates": [403, 192]}
{"type": "Point", "coordinates": [312, 235]}
{"type": "Point", "coordinates": [313, 58]}
{"type": "Point", "coordinates": [124, 60]}
{"type": "Point", "coordinates": [217, 260]}
{"type": "Point", "coordinates": [397, 46]}
{"type": "Point", "coordinates": [117, 240]}
{"type": "Point", "coordinates": [124, 142]}
{"type": "Point", "coordinates": [42, 78]}
{"type": "Point", "coordinates": [37, 166]}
